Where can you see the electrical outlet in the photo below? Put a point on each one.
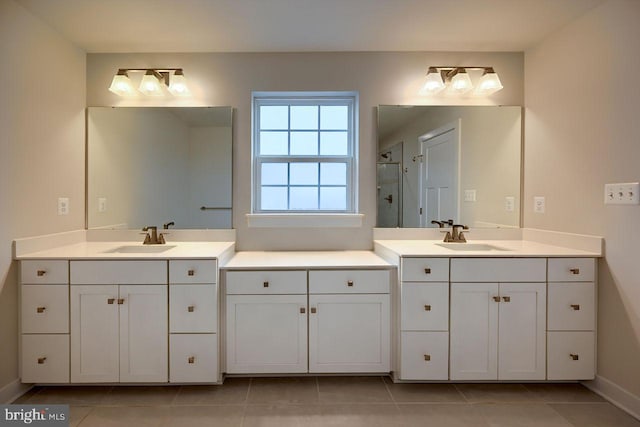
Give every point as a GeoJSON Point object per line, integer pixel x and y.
{"type": "Point", "coordinates": [538, 204]}
{"type": "Point", "coordinates": [102, 204]}
{"type": "Point", "coordinates": [509, 203]}
{"type": "Point", "coordinates": [626, 193]}
{"type": "Point", "coordinates": [63, 206]}
{"type": "Point", "coordinates": [469, 195]}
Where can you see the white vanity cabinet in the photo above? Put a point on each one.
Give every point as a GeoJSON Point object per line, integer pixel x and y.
{"type": "Point", "coordinates": [498, 318]}
{"type": "Point", "coordinates": [119, 321]}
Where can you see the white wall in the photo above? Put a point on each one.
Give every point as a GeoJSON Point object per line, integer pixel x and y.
{"type": "Point", "coordinates": [42, 99]}
{"type": "Point", "coordinates": [582, 131]}
{"type": "Point", "coordinates": [228, 79]}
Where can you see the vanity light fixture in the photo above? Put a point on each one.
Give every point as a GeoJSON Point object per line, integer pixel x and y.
{"type": "Point", "coordinates": [153, 83]}
{"type": "Point", "coordinates": [456, 80]}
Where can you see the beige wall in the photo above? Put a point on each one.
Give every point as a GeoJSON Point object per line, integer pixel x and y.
{"type": "Point", "coordinates": [582, 131]}
{"type": "Point", "coordinates": [42, 99]}
{"type": "Point", "coordinates": [228, 79]}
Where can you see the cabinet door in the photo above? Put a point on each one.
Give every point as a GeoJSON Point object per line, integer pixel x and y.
{"type": "Point", "coordinates": [349, 333]}
{"type": "Point", "coordinates": [522, 343]}
{"type": "Point", "coordinates": [94, 334]}
{"type": "Point", "coordinates": [474, 331]}
{"type": "Point", "coordinates": [143, 333]}
{"type": "Point", "coordinates": [266, 334]}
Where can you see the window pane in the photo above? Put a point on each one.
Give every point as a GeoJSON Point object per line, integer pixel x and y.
{"type": "Point", "coordinates": [333, 198]}
{"type": "Point", "coordinates": [334, 117]}
{"type": "Point", "coordinates": [304, 143]}
{"type": "Point", "coordinates": [273, 198]}
{"type": "Point", "coordinates": [334, 144]}
{"type": "Point", "coordinates": [304, 198]}
{"type": "Point", "coordinates": [273, 144]}
{"type": "Point", "coordinates": [304, 174]}
{"type": "Point", "coordinates": [274, 117]}
{"type": "Point", "coordinates": [274, 174]}
{"type": "Point", "coordinates": [304, 117]}
{"type": "Point", "coordinates": [333, 174]}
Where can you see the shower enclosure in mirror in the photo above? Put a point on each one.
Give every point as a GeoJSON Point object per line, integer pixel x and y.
{"type": "Point", "coordinates": [449, 163]}
{"type": "Point", "coordinates": [157, 165]}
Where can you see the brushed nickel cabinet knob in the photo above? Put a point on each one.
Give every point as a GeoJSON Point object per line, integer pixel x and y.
{"type": "Point", "coordinates": [191, 308]}
{"type": "Point", "coordinates": [302, 310]}
{"type": "Point", "coordinates": [111, 300]}
{"type": "Point", "coordinates": [574, 270]}
{"type": "Point", "coordinates": [575, 306]}
{"type": "Point", "coordinates": [191, 272]}
{"type": "Point", "coordinates": [41, 309]}
{"type": "Point", "coordinates": [427, 271]}
{"type": "Point", "coordinates": [427, 357]}
{"type": "Point", "coordinates": [350, 283]}
{"type": "Point", "coordinates": [506, 299]}
{"type": "Point", "coordinates": [265, 284]}
{"type": "Point", "coordinates": [574, 356]}
{"type": "Point", "coordinates": [313, 310]}
{"type": "Point", "coordinates": [41, 360]}
{"type": "Point", "coordinates": [427, 307]}
{"type": "Point", "coordinates": [120, 301]}
{"type": "Point", "coordinates": [41, 273]}
{"type": "Point", "coordinates": [496, 299]}
{"type": "Point", "coordinates": [191, 359]}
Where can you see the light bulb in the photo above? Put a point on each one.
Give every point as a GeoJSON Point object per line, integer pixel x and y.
{"type": "Point", "coordinates": [150, 84]}
{"type": "Point", "coordinates": [433, 82]}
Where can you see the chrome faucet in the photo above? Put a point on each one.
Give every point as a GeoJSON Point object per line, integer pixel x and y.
{"type": "Point", "coordinates": [456, 236]}
{"type": "Point", "coordinates": [154, 238]}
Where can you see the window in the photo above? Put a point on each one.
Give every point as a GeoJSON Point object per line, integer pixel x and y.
{"type": "Point", "coordinates": [304, 149]}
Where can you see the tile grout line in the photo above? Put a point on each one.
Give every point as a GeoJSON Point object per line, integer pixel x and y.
{"type": "Point", "coordinates": [393, 399]}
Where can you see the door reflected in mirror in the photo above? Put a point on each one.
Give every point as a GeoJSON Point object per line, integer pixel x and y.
{"type": "Point", "coordinates": [459, 164]}
{"type": "Point", "coordinates": [157, 165]}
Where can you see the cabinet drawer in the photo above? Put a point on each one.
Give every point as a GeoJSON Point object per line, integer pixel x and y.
{"type": "Point", "coordinates": [193, 308]}
{"type": "Point", "coordinates": [570, 356]}
{"type": "Point", "coordinates": [571, 269]}
{"type": "Point", "coordinates": [571, 306]}
{"type": "Point", "coordinates": [349, 282]}
{"type": "Point", "coordinates": [45, 359]}
{"type": "Point", "coordinates": [424, 356]}
{"type": "Point", "coordinates": [45, 309]}
{"type": "Point", "coordinates": [266, 282]}
{"type": "Point", "coordinates": [118, 272]}
{"type": "Point", "coordinates": [193, 271]}
{"type": "Point", "coordinates": [425, 306]}
{"type": "Point", "coordinates": [37, 272]}
{"type": "Point", "coordinates": [193, 358]}
{"type": "Point", "coordinates": [499, 270]}
{"type": "Point", "coordinates": [425, 269]}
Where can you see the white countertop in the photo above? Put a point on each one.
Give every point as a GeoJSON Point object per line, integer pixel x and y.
{"type": "Point", "coordinates": [511, 248]}
{"type": "Point", "coordinates": [305, 259]}
{"type": "Point", "coordinates": [134, 250]}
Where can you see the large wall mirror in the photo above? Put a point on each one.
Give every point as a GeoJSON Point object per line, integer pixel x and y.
{"type": "Point", "coordinates": [442, 163]}
{"type": "Point", "coordinates": [156, 165]}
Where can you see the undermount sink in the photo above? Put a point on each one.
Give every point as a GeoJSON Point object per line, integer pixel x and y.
{"type": "Point", "coordinates": [471, 247]}
{"type": "Point", "coordinates": [140, 249]}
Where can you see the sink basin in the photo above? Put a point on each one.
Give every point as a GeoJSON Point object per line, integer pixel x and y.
{"type": "Point", "coordinates": [140, 249]}
{"type": "Point", "coordinates": [471, 247]}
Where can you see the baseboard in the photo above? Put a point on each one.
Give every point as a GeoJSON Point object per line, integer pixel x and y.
{"type": "Point", "coordinates": [615, 394]}
{"type": "Point", "coordinates": [13, 390]}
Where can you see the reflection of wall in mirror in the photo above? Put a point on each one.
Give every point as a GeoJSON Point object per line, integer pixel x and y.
{"type": "Point", "coordinates": [490, 162]}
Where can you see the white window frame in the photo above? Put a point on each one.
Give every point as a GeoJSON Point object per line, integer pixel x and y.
{"type": "Point", "coordinates": [349, 99]}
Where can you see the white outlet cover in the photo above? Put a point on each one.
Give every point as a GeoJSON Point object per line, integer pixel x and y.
{"type": "Point", "coordinates": [469, 195]}
{"type": "Point", "coordinates": [509, 203]}
{"type": "Point", "coordinates": [625, 193]}
{"type": "Point", "coordinates": [63, 206]}
{"type": "Point", "coordinates": [102, 204]}
{"type": "Point", "coordinates": [539, 204]}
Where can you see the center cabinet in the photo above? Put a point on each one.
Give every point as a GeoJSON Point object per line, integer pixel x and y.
{"type": "Point", "coordinates": [318, 321]}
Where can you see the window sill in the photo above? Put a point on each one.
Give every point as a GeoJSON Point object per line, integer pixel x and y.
{"type": "Point", "coordinates": [305, 220]}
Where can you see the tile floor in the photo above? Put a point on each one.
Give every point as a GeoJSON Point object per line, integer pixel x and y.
{"type": "Point", "coordinates": [334, 401]}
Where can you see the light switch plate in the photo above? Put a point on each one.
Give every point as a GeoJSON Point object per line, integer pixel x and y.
{"type": "Point", "coordinates": [102, 204]}
{"type": "Point", "coordinates": [625, 193]}
{"type": "Point", "coordinates": [538, 204]}
{"type": "Point", "coordinates": [469, 195]}
{"type": "Point", "coordinates": [63, 206]}
{"type": "Point", "coordinates": [509, 203]}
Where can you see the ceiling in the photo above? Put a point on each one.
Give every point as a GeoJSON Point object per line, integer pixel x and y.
{"type": "Point", "coordinates": [306, 25]}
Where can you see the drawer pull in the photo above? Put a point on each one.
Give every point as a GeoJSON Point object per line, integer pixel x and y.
{"type": "Point", "coordinates": [574, 270]}
{"type": "Point", "coordinates": [120, 301]}
{"type": "Point", "coordinates": [191, 359]}
{"type": "Point", "coordinates": [576, 307]}
{"type": "Point", "coordinates": [302, 310]}
{"type": "Point", "coordinates": [506, 299]}
{"type": "Point", "coordinates": [41, 309]}
{"type": "Point", "coordinates": [496, 299]}
{"type": "Point", "coordinates": [427, 357]}
{"type": "Point", "coordinates": [314, 310]}
{"type": "Point", "coordinates": [41, 273]}
{"type": "Point", "coordinates": [574, 356]}
{"type": "Point", "coordinates": [350, 283]}
{"type": "Point", "coordinates": [427, 307]}
{"type": "Point", "coordinates": [191, 272]}
{"type": "Point", "coordinates": [41, 360]}
{"type": "Point", "coordinates": [111, 300]}
{"type": "Point", "coordinates": [191, 308]}
{"type": "Point", "coordinates": [427, 271]}
{"type": "Point", "coordinates": [265, 284]}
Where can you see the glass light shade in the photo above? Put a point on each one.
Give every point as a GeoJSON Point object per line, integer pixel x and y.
{"type": "Point", "coordinates": [178, 85]}
{"type": "Point", "coordinates": [461, 82]}
{"type": "Point", "coordinates": [433, 83]}
{"type": "Point", "coordinates": [150, 85]}
{"type": "Point", "coordinates": [121, 85]}
{"type": "Point", "coordinates": [489, 83]}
